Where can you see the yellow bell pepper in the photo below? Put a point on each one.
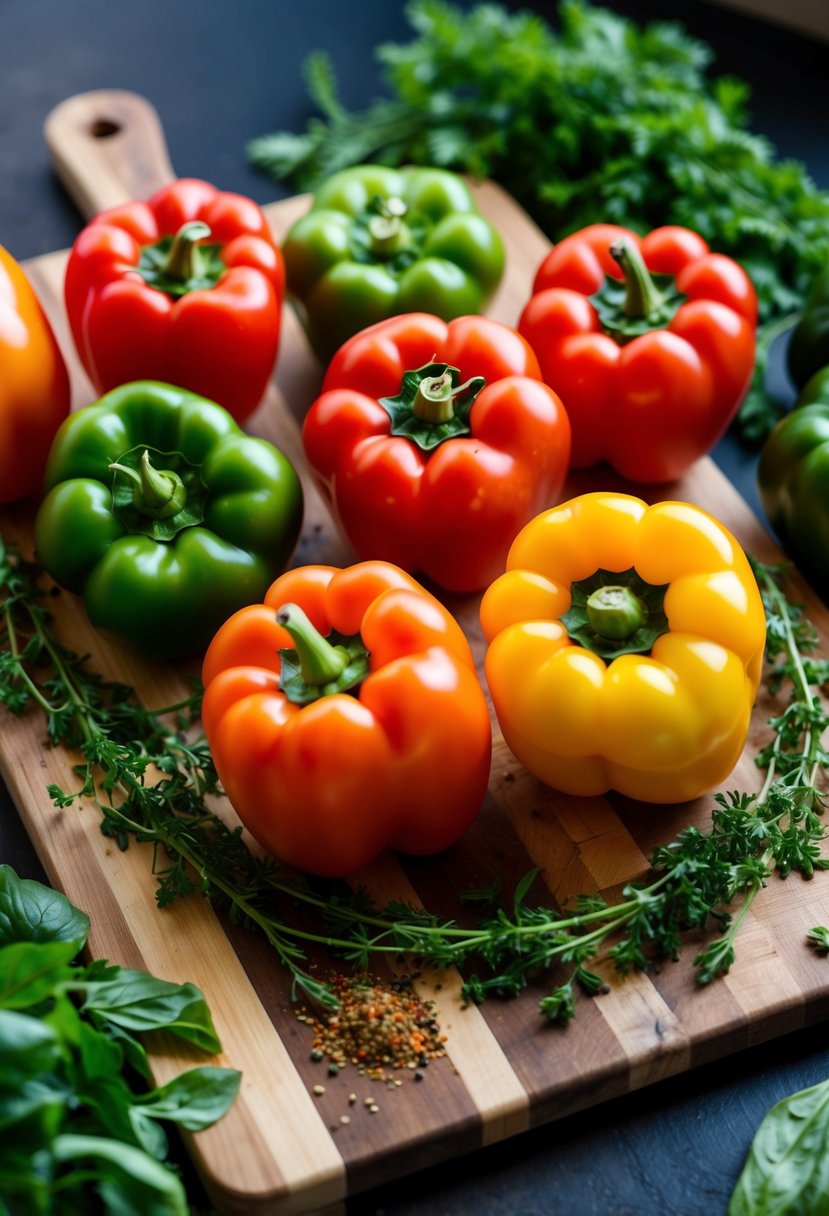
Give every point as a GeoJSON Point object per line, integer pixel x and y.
{"type": "Point", "coordinates": [625, 648]}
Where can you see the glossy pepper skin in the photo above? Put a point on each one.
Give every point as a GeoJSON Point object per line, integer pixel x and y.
{"type": "Point", "coordinates": [808, 350]}
{"type": "Point", "coordinates": [651, 371]}
{"type": "Point", "coordinates": [437, 485]}
{"type": "Point", "coordinates": [793, 481]}
{"type": "Point", "coordinates": [185, 288]}
{"type": "Point", "coordinates": [660, 718]}
{"type": "Point", "coordinates": [34, 386]}
{"type": "Point", "coordinates": [163, 556]}
{"type": "Point", "coordinates": [378, 242]}
{"type": "Point", "coordinates": [395, 753]}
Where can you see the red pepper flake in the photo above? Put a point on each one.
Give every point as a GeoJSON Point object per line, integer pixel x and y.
{"type": "Point", "coordinates": [381, 1026]}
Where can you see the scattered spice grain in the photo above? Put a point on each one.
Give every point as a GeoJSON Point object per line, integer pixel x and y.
{"type": "Point", "coordinates": [378, 1027]}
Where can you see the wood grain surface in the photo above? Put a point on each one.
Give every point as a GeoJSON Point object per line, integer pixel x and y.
{"type": "Point", "coordinates": [281, 1148]}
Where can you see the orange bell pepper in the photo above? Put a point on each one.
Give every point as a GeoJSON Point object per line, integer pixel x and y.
{"type": "Point", "coordinates": [344, 715]}
{"type": "Point", "coordinates": [34, 386]}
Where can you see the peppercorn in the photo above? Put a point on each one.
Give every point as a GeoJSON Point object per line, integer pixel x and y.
{"type": "Point", "coordinates": [378, 1026]}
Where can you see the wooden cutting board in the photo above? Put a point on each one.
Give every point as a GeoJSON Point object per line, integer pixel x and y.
{"type": "Point", "coordinates": [280, 1148]}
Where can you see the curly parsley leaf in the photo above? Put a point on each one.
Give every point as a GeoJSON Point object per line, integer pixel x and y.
{"type": "Point", "coordinates": [597, 120]}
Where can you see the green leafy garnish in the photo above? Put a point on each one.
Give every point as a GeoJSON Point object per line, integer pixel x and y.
{"type": "Point", "coordinates": [787, 1170]}
{"type": "Point", "coordinates": [701, 880]}
{"type": "Point", "coordinates": [600, 120]}
{"type": "Point", "coordinates": [75, 1131]}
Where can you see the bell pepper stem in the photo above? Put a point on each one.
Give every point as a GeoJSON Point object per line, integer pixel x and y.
{"type": "Point", "coordinates": [159, 493]}
{"type": "Point", "coordinates": [616, 612]}
{"type": "Point", "coordinates": [435, 395]}
{"type": "Point", "coordinates": [387, 231]}
{"type": "Point", "coordinates": [320, 662]}
{"type": "Point", "coordinates": [183, 259]}
{"type": "Point", "coordinates": [642, 296]}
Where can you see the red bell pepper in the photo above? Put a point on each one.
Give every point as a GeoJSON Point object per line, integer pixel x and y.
{"type": "Point", "coordinates": [344, 716]}
{"type": "Point", "coordinates": [186, 288]}
{"type": "Point", "coordinates": [648, 341]}
{"type": "Point", "coordinates": [435, 443]}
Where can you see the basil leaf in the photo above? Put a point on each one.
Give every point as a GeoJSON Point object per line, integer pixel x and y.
{"type": "Point", "coordinates": [26, 1191]}
{"type": "Point", "coordinates": [131, 1182]}
{"type": "Point", "coordinates": [138, 1001]}
{"type": "Point", "coordinates": [195, 1099]}
{"type": "Point", "coordinates": [27, 1047]}
{"type": "Point", "coordinates": [31, 971]}
{"type": "Point", "coordinates": [787, 1170]}
{"type": "Point", "coordinates": [99, 1055]}
{"type": "Point", "coordinates": [40, 1103]}
{"type": "Point", "coordinates": [32, 912]}
{"type": "Point", "coordinates": [134, 1052]}
{"type": "Point", "coordinates": [147, 1133]}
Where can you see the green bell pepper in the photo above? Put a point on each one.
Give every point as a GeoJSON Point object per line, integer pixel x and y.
{"type": "Point", "coordinates": [378, 242]}
{"type": "Point", "coordinates": [809, 347]}
{"type": "Point", "coordinates": [165, 516]}
{"type": "Point", "coordinates": [793, 481]}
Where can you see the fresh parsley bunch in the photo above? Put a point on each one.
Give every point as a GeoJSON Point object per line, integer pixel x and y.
{"type": "Point", "coordinates": [599, 120]}
{"type": "Point", "coordinates": [81, 1130]}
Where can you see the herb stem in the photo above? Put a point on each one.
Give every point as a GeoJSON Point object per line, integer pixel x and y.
{"type": "Point", "coordinates": [694, 880]}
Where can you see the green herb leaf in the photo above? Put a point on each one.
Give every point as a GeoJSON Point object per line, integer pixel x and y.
{"type": "Point", "coordinates": [138, 1001]}
{"type": "Point", "coordinates": [701, 880]}
{"type": "Point", "coordinates": [77, 1137]}
{"type": "Point", "coordinates": [195, 1099]}
{"type": "Point", "coordinates": [32, 912]}
{"type": "Point", "coordinates": [819, 938]}
{"type": "Point", "coordinates": [787, 1169]}
{"type": "Point", "coordinates": [31, 971]}
{"type": "Point", "coordinates": [27, 1047]}
{"type": "Point", "coordinates": [130, 1182]}
{"type": "Point", "coordinates": [34, 1109]}
{"type": "Point", "coordinates": [600, 120]}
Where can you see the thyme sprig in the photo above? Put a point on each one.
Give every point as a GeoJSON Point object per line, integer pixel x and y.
{"type": "Point", "coordinates": [151, 779]}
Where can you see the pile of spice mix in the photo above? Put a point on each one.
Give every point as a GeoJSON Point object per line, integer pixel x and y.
{"type": "Point", "coordinates": [378, 1027]}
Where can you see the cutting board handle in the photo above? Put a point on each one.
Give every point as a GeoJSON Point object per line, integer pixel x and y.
{"type": "Point", "coordinates": [107, 146]}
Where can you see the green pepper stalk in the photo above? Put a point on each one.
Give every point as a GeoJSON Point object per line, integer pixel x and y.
{"type": "Point", "coordinates": [317, 667]}
{"type": "Point", "coordinates": [320, 662]}
{"type": "Point", "coordinates": [389, 233]}
{"type": "Point", "coordinates": [159, 493]}
{"type": "Point", "coordinates": [642, 296]}
{"type": "Point", "coordinates": [434, 401]}
{"type": "Point", "coordinates": [183, 261]}
{"type": "Point", "coordinates": [616, 612]}
{"type": "Point", "coordinates": [638, 304]}
{"type": "Point", "coordinates": [613, 613]}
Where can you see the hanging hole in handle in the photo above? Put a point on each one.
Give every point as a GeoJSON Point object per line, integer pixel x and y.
{"type": "Point", "coordinates": [104, 128]}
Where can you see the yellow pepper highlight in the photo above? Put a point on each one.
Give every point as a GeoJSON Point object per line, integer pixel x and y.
{"type": "Point", "coordinates": [664, 725]}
